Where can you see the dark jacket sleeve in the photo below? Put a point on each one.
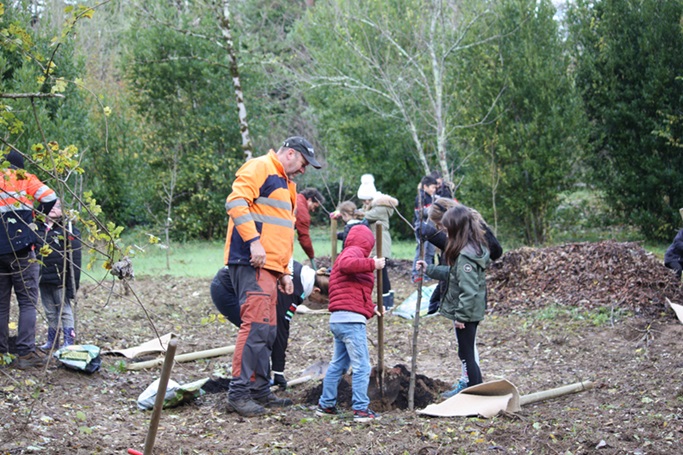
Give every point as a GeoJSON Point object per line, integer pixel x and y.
{"type": "Point", "coordinates": [675, 251]}
{"type": "Point", "coordinates": [76, 252]}
{"type": "Point", "coordinates": [494, 246]}
{"type": "Point", "coordinates": [436, 237]}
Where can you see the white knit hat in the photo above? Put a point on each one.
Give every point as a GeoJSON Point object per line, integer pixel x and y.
{"type": "Point", "coordinates": [367, 188]}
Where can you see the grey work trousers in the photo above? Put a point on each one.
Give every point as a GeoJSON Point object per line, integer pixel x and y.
{"type": "Point", "coordinates": [20, 272]}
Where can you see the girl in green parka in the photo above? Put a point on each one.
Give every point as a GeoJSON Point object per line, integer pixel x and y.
{"type": "Point", "coordinates": [464, 298]}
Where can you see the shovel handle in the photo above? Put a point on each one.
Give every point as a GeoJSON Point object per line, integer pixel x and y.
{"type": "Point", "coordinates": [299, 380]}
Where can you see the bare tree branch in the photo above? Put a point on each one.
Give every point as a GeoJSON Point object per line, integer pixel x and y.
{"type": "Point", "coordinates": [16, 96]}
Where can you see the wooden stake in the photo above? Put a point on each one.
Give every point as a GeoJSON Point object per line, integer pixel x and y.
{"type": "Point", "coordinates": [161, 394]}
{"type": "Point", "coordinates": [380, 308]}
{"type": "Point", "coordinates": [416, 320]}
{"type": "Point", "coordinates": [333, 239]}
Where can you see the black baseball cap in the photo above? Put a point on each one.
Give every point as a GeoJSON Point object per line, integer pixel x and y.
{"type": "Point", "coordinates": [301, 145]}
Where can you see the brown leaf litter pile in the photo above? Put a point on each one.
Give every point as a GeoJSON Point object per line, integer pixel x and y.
{"type": "Point", "coordinates": [587, 275]}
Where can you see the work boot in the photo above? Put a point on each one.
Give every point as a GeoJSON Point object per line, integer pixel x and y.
{"type": "Point", "coordinates": [272, 401]}
{"type": "Point", "coordinates": [51, 339]}
{"type": "Point", "coordinates": [30, 360]}
{"type": "Point", "coordinates": [245, 407]}
{"type": "Point", "coordinates": [69, 336]}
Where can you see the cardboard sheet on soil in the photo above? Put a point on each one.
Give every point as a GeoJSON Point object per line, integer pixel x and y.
{"type": "Point", "coordinates": [486, 400]}
{"type": "Point", "coordinates": [148, 347]}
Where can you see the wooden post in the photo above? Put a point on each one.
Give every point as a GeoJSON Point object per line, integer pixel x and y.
{"type": "Point", "coordinates": [161, 394]}
{"type": "Point", "coordinates": [380, 308]}
{"type": "Point", "coordinates": [416, 320]}
{"type": "Point", "coordinates": [333, 239]}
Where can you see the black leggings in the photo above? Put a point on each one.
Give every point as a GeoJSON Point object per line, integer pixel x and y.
{"type": "Point", "coordinates": [466, 340]}
{"type": "Point", "coordinates": [386, 285]}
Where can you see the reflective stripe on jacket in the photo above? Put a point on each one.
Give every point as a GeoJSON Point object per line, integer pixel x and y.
{"type": "Point", "coordinates": [20, 191]}
{"type": "Point", "coordinates": [261, 206]}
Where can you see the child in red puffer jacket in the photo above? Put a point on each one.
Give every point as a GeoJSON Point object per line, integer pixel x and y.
{"type": "Point", "coordinates": [351, 306]}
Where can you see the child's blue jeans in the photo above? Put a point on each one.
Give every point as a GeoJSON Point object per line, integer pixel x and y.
{"type": "Point", "coordinates": [350, 348]}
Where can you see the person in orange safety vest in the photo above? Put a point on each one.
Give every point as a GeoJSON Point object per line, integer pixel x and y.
{"type": "Point", "coordinates": [21, 193]}
{"type": "Point", "coordinates": [258, 250]}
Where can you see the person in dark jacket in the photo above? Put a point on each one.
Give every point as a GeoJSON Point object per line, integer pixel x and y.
{"type": "Point", "coordinates": [464, 297]}
{"type": "Point", "coordinates": [434, 233]}
{"type": "Point", "coordinates": [308, 284]}
{"type": "Point", "coordinates": [351, 305]}
{"type": "Point", "coordinates": [21, 195]}
{"type": "Point", "coordinates": [673, 258]}
{"type": "Point", "coordinates": [443, 189]}
{"type": "Point", "coordinates": [423, 201]}
{"type": "Point", "coordinates": [60, 275]}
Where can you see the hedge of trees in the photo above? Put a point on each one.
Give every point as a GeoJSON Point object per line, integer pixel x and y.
{"type": "Point", "coordinates": [513, 101]}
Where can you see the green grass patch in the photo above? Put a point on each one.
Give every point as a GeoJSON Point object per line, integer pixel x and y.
{"type": "Point", "coordinates": [202, 259]}
{"type": "Point", "coordinates": [597, 317]}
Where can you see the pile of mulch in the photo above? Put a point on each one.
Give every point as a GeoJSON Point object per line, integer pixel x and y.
{"type": "Point", "coordinates": [587, 275]}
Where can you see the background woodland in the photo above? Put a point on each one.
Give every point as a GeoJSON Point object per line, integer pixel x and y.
{"type": "Point", "coordinates": [139, 112]}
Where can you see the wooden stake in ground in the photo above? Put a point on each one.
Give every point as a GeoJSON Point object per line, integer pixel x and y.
{"type": "Point", "coordinates": [380, 308]}
{"type": "Point", "coordinates": [416, 320]}
{"type": "Point", "coordinates": [333, 239]}
{"type": "Point", "coordinates": [161, 394]}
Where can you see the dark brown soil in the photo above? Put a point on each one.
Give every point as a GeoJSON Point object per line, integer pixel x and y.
{"type": "Point", "coordinates": [557, 316]}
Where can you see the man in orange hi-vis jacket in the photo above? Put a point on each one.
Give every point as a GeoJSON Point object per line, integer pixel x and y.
{"type": "Point", "coordinates": [258, 250]}
{"type": "Point", "coordinates": [20, 193]}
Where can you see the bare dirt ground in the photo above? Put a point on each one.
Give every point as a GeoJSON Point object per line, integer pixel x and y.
{"type": "Point", "coordinates": [557, 316]}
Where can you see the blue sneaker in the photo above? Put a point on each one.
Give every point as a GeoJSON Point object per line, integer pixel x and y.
{"type": "Point", "coordinates": [457, 388]}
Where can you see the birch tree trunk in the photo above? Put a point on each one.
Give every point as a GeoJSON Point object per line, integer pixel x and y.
{"type": "Point", "coordinates": [224, 23]}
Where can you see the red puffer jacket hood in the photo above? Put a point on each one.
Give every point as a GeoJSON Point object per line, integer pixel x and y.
{"type": "Point", "coordinates": [352, 275]}
{"type": "Point", "coordinates": [360, 236]}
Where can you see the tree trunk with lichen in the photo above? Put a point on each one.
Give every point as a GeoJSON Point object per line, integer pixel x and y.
{"type": "Point", "coordinates": [226, 31]}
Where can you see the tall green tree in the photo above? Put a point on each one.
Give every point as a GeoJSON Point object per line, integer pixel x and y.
{"type": "Point", "coordinates": [526, 158]}
{"type": "Point", "coordinates": [182, 92]}
{"type": "Point", "coordinates": [402, 60]}
{"type": "Point", "coordinates": [628, 62]}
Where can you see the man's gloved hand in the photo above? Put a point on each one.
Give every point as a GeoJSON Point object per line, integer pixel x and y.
{"type": "Point", "coordinates": [280, 381]}
{"type": "Point", "coordinates": [313, 264]}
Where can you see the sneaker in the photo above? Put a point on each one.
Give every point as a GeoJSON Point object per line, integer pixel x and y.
{"type": "Point", "coordinates": [245, 407]}
{"type": "Point", "coordinates": [30, 360]}
{"type": "Point", "coordinates": [365, 416]}
{"type": "Point", "coordinates": [457, 388]}
{"type": "Point", "coordinates": [322, 412]}
{"type": "Point", "coordinates": [272, 401]}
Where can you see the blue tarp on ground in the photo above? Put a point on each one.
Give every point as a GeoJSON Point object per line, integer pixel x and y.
{"type": "Point", "coordinates": [407, 308]}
